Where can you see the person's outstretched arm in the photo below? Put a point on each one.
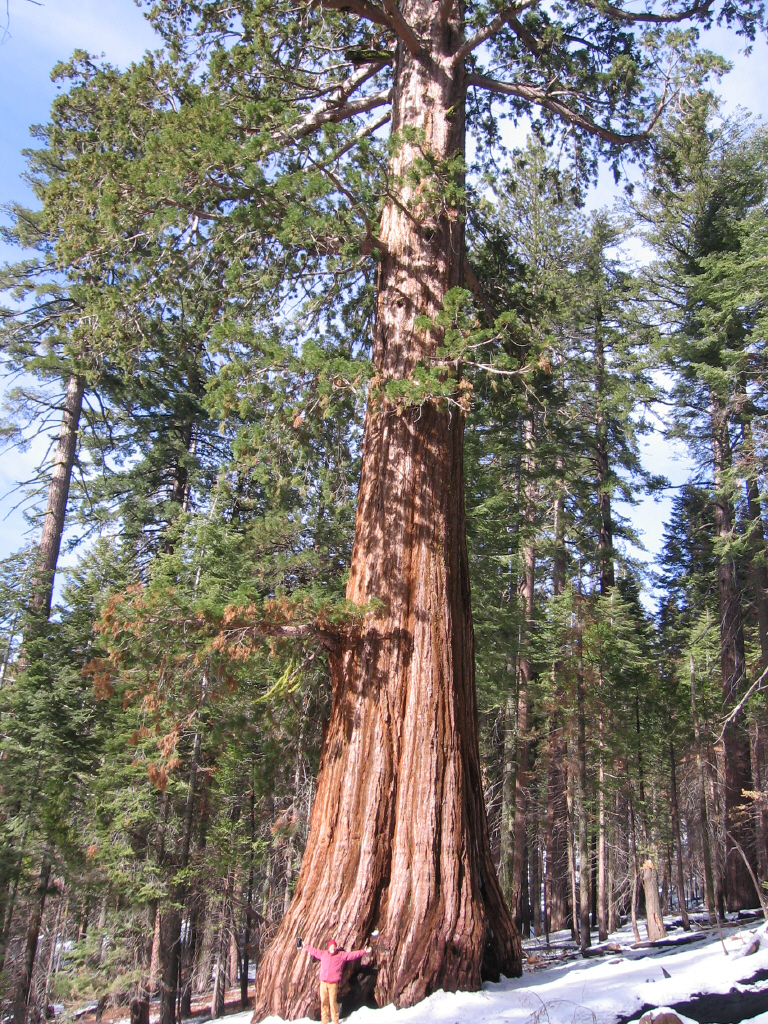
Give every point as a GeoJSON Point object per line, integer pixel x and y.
{"type": "Point", "coordinates": [316, 953]}
{"type": "Point", "coordinates": [356, 954]}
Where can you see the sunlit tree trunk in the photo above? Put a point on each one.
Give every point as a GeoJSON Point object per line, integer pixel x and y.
{"type": "Point", "coordinates": [58, 495]}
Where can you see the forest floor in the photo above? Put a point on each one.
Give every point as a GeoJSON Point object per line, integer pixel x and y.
{"type": "Point", "coordinates": [616, 984]}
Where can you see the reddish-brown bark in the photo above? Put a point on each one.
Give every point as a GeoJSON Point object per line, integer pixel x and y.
{"type": "Point", "coordinates": [398, 833]}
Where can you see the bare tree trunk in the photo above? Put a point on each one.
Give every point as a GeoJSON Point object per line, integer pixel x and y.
{"type": "Point", "coordinates": [24, 985]}
{"type": "Point", "coordinates": [169, 931]}
{"type": "Point", "coordinates": [245, 954]}
{"type": "Point", "coordinates": [654, 920]}
{"type": "Point", "coordinates": [584, 864]}
{"type": "Point", "coordinates": [607, 583]}
{"type": "Point", "coordinates": [535, 877]}
{"type": "Point", "coordinates": [58, 494]}
{"type": "Point", "coordinates": [614, 918]}
{"type": "Point", "coordinates": [757, 536]}
{"type": "Point", "coordinates": [678, 840]}
{"type": "Point", "coordinates": [52, 952]}
{"type": "Point", "coordinates": [507, 824]}
{"type": "Point", "coordinates": [756, 751]}
{"type": "Point", "coordinates": [557, 831]}
{"type": "Point", "coordinates": [703, 815]}
{"type": "Point", "coordinates": [399, 808]}
{"type": "Point", "coordinates": [736, 752]}
{"type": "Point", "coordinates": [222, 953]}
{"type": "Point", "coordinates": [572, 856]}
{"type": "Point", "coordinates": [634, 860]}
{"type": "Point", "coordinates": [525, 670]}
{"type": "Point", "coordinates": [154, 959]}
{"type": "Point", "coordinates": [193, 947]}
{"type": "Point", "coordinates": [556, 836]}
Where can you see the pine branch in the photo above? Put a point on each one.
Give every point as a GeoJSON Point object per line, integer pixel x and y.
{"type": "Point", "coordinates": [334, 115]}
{"type": "Point", "coordinates": [362, 8]}
{"type": "Point", "coordinates": [496, 24]}
{"type": "Point", "coordinates": [697, 10]}
{"type": "Point", "coordinates": [337, 109]}
{"type": "Point", "coordinates": [390, 18]}
{"type": "Point", "coordinates": [534, 94]}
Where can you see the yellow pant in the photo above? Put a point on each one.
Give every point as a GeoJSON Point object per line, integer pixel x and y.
{"type": "Point", "coordinates": [328, 1005]}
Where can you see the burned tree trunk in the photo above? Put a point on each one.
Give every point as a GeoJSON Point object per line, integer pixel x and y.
{"type": "Point", "coordinates": [399, 812]}
{"type": "Point", "coordinates": [58, 494]}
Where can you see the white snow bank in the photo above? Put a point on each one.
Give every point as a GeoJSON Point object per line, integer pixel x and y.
{"type": "Point", "coordinates": [595, 991]}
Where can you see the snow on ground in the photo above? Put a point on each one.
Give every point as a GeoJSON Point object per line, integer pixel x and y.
{"type": "Point", "coordinates": [612, 989]}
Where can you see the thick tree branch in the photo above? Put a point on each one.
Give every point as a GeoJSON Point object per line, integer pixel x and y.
{"type": "Point", "coordinates": [365, 131]}
{"type": "Point", "coordinates": [528, 39]}
{"type": "Point", "coordinates": [539, 96]}
{"type": "Point", "coordinates": [390, 17]}
{"type": "Point", "coordinates": [362, 8]}
{"type": "Point", "coordinates": [493, 26]}
{"type": "Point", "coordinates": [403, 29]}
{"type": "Point", "coordinates": [333, 114]}
{"type": "Point", "coordinates": [696, 10]}
{"type": "Point", "coordinates": [477, 289]}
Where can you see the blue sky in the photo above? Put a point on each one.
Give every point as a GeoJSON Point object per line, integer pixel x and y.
{"type": "Point", "coordinates": [39, 35]}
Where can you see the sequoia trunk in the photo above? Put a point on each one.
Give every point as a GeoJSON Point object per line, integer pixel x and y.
{"type": "Point", "coordinates": [398, 834]}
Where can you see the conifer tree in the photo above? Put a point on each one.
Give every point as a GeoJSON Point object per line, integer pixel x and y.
{"type": "Point", "coordinates": [717, 176]}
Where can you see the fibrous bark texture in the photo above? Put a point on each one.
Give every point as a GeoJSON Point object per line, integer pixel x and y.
{"type": "Point", "coordinates": [398, 833]}
{"type": "Point", "coordinates": [654, 919]}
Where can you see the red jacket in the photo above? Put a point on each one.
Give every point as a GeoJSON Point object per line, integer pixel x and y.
{"type": "Point", "coordinates": [332, 964]}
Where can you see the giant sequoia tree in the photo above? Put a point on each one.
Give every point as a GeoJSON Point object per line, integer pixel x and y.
{"type": "Point", "coordinates": [398, 836]}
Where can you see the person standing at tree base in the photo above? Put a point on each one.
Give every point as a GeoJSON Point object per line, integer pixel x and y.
{"type": "Point", "coordinates": [332, 963]}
